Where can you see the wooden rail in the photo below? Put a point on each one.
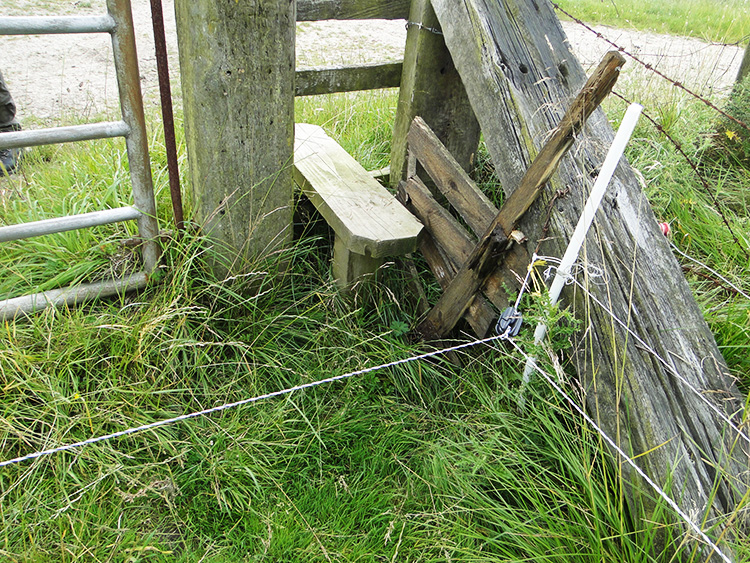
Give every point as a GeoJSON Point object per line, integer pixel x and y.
{"type": "Point", "coordinates": [314, 10]}
{"type": "Point", "coordinates": [347, 78]}
{"type": "Point", "coordinates": [353, 78]}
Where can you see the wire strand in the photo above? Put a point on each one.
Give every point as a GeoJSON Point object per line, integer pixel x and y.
{"type": "Point", "coordinates": [625, 456]}
{"type": "Point", "coordinates": [651, 350]}
{"type": "Point", "coordinates": [664, 362]}
{"type": "Point", "coordinates": [710, 269]}
{"type": "Point", "coordinates": [235, 404]}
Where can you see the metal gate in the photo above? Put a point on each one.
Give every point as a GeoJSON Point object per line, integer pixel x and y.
{"type": "Point", "coordinates": [118, 22]}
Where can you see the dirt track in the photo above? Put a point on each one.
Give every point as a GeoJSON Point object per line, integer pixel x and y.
{"type": "Point", "coordinates": [58, 75]}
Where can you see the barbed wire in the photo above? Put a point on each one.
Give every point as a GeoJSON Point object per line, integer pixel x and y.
{"type": "Point", "coordinates": [651, 68]}
{"type": "Point", "coordinates": [661, 129]}
{"type": "Point", "coordinates": [706, 188]}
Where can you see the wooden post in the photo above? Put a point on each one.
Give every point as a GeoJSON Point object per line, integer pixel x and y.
{"type": "Point", "coordinates": [432, 89]}
{"type": "Point", "coordinates": [237, 67]}
{"type": "Point", "coordinates": [519, 73]}
{"type": "Point", "coordinates": [745, 65]}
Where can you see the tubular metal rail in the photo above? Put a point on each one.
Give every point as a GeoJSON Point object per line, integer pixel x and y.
{"type": "Point", "coordinates": [119, 24]}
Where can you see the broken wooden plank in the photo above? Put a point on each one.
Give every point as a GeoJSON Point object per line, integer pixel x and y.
{"type": "Point", "coordinates": [484, 258]}
{"type": "Point", "coordinates": [473, 206]}
{"type": "Point", "coordinates": [416, 196]}
{"type": "Point", "coordinates": [455, 243]}
{"type": "Point", "coordinates": [450, 177]}
{"type": "Point", "coordinates": [442, 244]}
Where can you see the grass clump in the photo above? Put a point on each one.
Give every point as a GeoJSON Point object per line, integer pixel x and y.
{"type": "Point", "coordinates": [733, 135]}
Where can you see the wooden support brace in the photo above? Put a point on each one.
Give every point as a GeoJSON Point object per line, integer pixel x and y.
{"type": "Point", "coordinates": [492, 245]}
{"type": "Point", "coordinates": [444, 245]}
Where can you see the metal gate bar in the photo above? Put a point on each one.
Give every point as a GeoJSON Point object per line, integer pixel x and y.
{"type": "Point", "coordinates": [67, 134]}
{"type": "Point", "coordinates": [45, 25]}
{"type": "Point", "coordinates": [69, 223]}
{"type": "Point", "coordinates": [119, 24]}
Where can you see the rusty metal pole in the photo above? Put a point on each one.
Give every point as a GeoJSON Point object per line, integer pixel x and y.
{"type": "Point", "coordinates": [165, 92]}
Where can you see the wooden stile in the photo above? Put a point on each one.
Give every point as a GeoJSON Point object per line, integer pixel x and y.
{"type": "Point", "coordinates": [484, 258]}
{"type": "Point", "coordinates": [369, 222]}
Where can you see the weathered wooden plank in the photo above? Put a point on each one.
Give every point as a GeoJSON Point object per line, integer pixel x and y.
{"type": "Point", "coordinates": [239, 124]}
{"type": "Point", "coordinates": [473, 206]}
{"type": "Point", "coordinates": [315, 81]}
{"type": "Point", "coordinates": [480, 315]}
{"type": "Point", "coordinates": [314, 10]}
{"type": "Point", "coordinates": [443, 246]}
{"type": "Point", "coordinates": [494, 242]}
{"type": "Point", "coordinates": [432, 89]}
{"type": "Point", "coordinates": [455, 243]}
{"type": "Point", "coordinates": [450, 178]}
{"type": "Point", "coordinates": [368, 219]}
{"type": "Point", "coordinates": [519, 73]}
{"type": "Point", "coordinates": [443, 227]}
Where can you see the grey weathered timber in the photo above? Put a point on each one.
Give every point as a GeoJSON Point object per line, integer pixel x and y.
{"type": "Point", "coordinates": [444, 246]}
{"type": "Point", "coordinates": [237, 70]}
{"type": "Point", "coordinates": [347, 79]}
{"type": "Point", "coordinates": [313, 10]}
{"type": "Point", "coordinates": [496, 239]}
{"type": "Point", "coordinates": [745, 65]}
{"type": "Point", "coordinates": [432, 89]}
{"type": "Point", "coordinates": [370, 224]}
{"type": "Point", "coordinates": [519, 73]}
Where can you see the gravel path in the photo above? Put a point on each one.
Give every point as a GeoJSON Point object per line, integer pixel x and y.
{"type": "Point", "coordinates": [58, 75]}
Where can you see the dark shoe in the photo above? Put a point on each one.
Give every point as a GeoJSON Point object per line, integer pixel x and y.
{"type": "Point", "coordinates": [10, 158]}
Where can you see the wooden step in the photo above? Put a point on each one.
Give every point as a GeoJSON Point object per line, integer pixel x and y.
{"type": "Point", "coordinates": [369, 223]}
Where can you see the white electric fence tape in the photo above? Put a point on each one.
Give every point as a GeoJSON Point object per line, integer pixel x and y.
{"type": "Point", "coordinates": [587, 217]}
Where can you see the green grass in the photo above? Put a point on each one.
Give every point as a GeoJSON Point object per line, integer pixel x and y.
{"type": "Point", "coordinates": [724, 21]}
{"type": "Point", "coordinates": [423, 462]}
{"type": "Point", "coordinates": [427, 461]}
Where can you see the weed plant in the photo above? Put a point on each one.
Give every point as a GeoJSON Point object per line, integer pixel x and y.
{"type": "Point", "coordinates": [426, 461]}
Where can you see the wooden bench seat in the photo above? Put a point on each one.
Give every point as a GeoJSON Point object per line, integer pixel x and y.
{"type": "Point", "coordinates": [369, 223]}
